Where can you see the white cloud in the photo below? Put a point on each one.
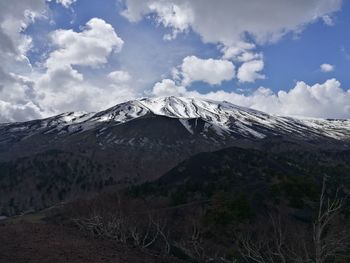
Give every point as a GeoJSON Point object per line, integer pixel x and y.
{"type": "Point", "coordinates": [320, 100]}
{"type": "Point", "coordinates": [249, 56]}
{"type": "Point", "coordinates": [168, 87]}
{"type": "Point", "coordinates": [236, 50]}
{"type": "Point", "coordinates": [326, 67]}
{"type": "Point", "coordinates": [227, 21]}
{"type": "Point", "coordinates": [241, 52]}
{"type": "Point", "coordinates": [66, 3]}
{"type": "Point", "coordinates": [91, 47]}
{"type": "Point", "coordinates": [135, 10]}
{"type": "Point", "coordinates": [18, 112]}
{"type": "Point", "coordinates": [249, 71]}
{"type": "Point", "coordinates": [212, 71]}
{"type": "Point", "coordinates": [16, 91]}
{"type": "Point", "coordinates": [14, 19]}
{"type": "Point", "coordinates": [326, 100]}
{"type": "Point", "coordinates": [328, 20]}
{"type": "Point", "coordinates": [59, 78]}
{"type": "Point", "coordinates": [62, 87]}
{"type": "Point", "coordinates": [178, 17]}
{"type": "Point", "coordinates": [235, 25]}
{"type": "Point", "coordinates": [119, 76]}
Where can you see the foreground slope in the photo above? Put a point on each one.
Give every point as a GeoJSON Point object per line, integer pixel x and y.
{"type": "Point", "coordinates": [50, 243]}
{"type": "Point", "coordinates": [218, 203]}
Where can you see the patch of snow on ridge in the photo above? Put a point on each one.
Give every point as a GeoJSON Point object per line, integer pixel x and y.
{"type": "Point", "coordinates": [121, 112]}
{"type": "Point", "coordinates": [337, 129]}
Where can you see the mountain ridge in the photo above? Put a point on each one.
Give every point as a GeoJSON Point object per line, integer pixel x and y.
{"type": "Point", "coordinates": [216, 113]}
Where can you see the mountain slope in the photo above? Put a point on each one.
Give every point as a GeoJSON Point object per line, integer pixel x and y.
{"type": "Point", "coordinates": [139, 141]}
{"type": "Point", "coordinates": [223, 117]}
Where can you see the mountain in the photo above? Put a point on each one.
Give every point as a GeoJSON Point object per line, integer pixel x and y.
{"type": "Point", "coordinates": [72, 154]}
{"type": "Point", "coordinates": [222, 118]}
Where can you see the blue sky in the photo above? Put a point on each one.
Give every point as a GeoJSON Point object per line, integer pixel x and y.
{"type": "Point", "coordinates": [283, 58]}
{"type": "Point", "coordinates": [299, 59]}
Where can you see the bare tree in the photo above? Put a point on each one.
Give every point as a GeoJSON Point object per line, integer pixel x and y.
{"type": "Point", "coordinates": [265, 244]}
{"type": "Point", "coordinates": [192, 244]}
{"type": "Point", "coordinates": [328, 239]}
{"type": "Point", "coordinates": [114, 228]}
{"type": "Point", "coordinates": [143, 236]}
{"type": "Point", "coordinates": [142, 232]}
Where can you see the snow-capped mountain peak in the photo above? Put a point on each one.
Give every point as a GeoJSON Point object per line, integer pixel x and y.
{"type": "Point", "coordinates": [223, 118]}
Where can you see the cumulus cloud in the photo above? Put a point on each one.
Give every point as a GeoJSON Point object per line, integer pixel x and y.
{"type": "Point", "coordinates": [212, 71]}
{"type": "Point", "coordinates": [16, 98]}
{"type": "Point", "coordinates": [18, 112]}
{"type": "Point", "coordinates": [168, 87]}
{"type": "Point", "coordinates": [62, 87]}
{"type": "Point", "coordinates": [227, 21]}
{"type": "Point", "coordinates": [60, 83]}
{"type": "Point", "coordinates": [16, 91]}
{"type": "Point", "coordinates": [178, 17]}
{"type": "Point", "coordinates": [14, 19]}
{"type": "Point", "coordinates": [325, 100]}
{"type": "Point", "coordinates": [66, 3]}
{"type": "Point", "coordinates": [90, 47]}
{"type": "Point", "coordinates": [119, 76]}
{"type": "Point", "coordinates": [249, 71]}
{"type": "Point", "coordinates": [326, 67]}
{"type": "Point", "coordinates": [234, 25]}
{"type": "Point", "coordinates": [236, 50]}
